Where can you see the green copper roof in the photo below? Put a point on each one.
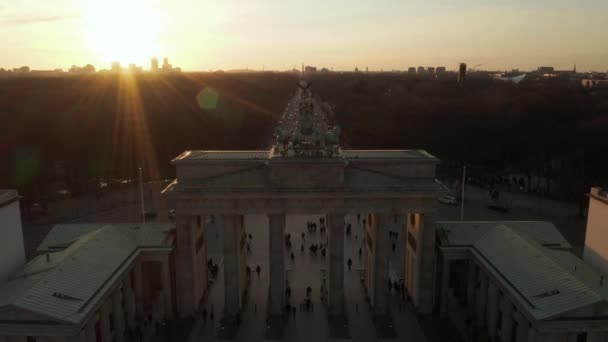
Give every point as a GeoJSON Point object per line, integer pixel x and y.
{"type": "Point", "coordinates": [546, 287]}
{"type": "Point", "coordinates": [67, 285]}
{"type": "Point", "coordinates": [532, 260]}
{"type": "Point", "coordinates": [142, 235]}
{"type": "Point", "coordinates": [466, 233]}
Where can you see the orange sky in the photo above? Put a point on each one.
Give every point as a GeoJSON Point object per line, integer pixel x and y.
{"type": "Point", "coordinates": [281, 34]}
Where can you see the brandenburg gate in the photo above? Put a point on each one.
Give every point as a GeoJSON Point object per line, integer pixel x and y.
{"type": "Point", "coordinates": [306, 172]}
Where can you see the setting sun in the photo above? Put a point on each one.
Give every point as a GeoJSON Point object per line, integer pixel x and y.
{"type": "Point", "coordinates": [123, 31]}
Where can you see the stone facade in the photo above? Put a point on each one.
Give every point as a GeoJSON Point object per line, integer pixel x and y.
{"type": "Point", "coordinates": [235, 183]}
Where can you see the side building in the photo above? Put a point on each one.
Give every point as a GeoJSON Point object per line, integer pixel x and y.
{"type": "Point", "coordinates": [12, 249]}
{"type": "Point", "coordinates": [93, 283]}
{"type": "Point", "coordinates": [596, 237]}
{"type": "Point", "coordinates": [518, 281]}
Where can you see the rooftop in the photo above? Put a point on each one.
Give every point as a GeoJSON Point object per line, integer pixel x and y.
{"type": "Point", "coordinates": [80, 263]}
{"type": "Point", "coordinates": [467, 233]}
{"type": "Point", "coordinates": [196, 155]}
{"type": "Point", "coordinates": [147, 235]}
{"type": "Point", "coordinates": [7, 196]}
{"type": "Point", "coordinates": [600, 194]}
{"type": "Point", "coordinates": [67, 286]}
{"type": "Point", "coordinates": [532, 261]}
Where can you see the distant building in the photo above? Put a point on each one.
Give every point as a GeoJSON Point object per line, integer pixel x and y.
{"type": "Point", "coordinates": [22, 70]}
{"type": "Point", "coordinates": [308, 69]}
{"type": "Point", "coordinates": [462, 72]}
{"type": "Point", "coordinates": [596, 238]}
{"type": "Point", "coordinates": [421, 70]}
{"type": "Point", "coordinates": [411, 70]}
{"type": "Point", "coordinates": [545, 70]}
{"type": "Point", "coordinates": [87, 69]}
{"type": "Point", "coordinates": [154, 64]}
{"type": "Point", "coordinates": [430, 70]}
{"type": "Point", "coordinates": [591, 83]}
{"type": "Point", "coordinates": [115, 67]}
{"type": "Point", "coordinates": [440, 70]}
{"type": "Point", "coordinates": [12, 250]}
{"type": "Point", "coordinates": [166, 65]}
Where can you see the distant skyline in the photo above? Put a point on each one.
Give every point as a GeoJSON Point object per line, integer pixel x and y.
{"type": "Point", "coordinates": [199, 35]}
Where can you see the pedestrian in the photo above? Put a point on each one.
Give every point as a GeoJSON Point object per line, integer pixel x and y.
{"type": "Point", "coordinates": [250, 237]}
{"type": "Point", "coordinates": [358, 218]}
{"type": "Point", "coordinates": [360, 252]}
{"type": "Point", "coordinates": [258, 269]}
{"type": "Point", "coordinates": [204, 314]}
{"type": "Point", "coordinates": [357, 305]}
{"type": "Point", "coordinates": [293, 312]}
{"type": "Point", "coordinates": [301, 249]}
{"type": "Point", "coordinates": [255, 307]}
{"type": "Point", "coordinates": [363, 222]}
{"type": "Point", "coordinates": [293, 258]}
{"type": "Point", "coordinates": [350, 263]}
{"type": "Point", "coordinates": [304, 236]}
{"type": "Point", "coordinates": [390, 286]}
{"type": "Point", "coordinates": [394, 247]}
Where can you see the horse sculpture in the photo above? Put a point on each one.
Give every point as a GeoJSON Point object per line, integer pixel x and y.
{"type": "Point", "coordinates": [332, 139]}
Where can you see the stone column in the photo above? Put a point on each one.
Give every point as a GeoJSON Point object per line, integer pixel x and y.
{"type": "Point", "coordinates": [81, 336]}
{"type": "Point", "coordinates": [118, 316]}
{"type": "Point", "coordinates": [507, 321]}
{"type": "Point", "coordinates": [232, 287]}
{"type": "Point", "coordinates": [492, 310]}
{"type": "Point", "coordinates": [445, 284]}
{"type": "Point", "coordinates": [597, 336]}
{"type": "Point", "coordinates": [471, 287]}
{"type": "Point", "coordinates": [184, 258]}
{"type": "Point", "coordinates": [14, 338]}
{"type": "Point", "coordinates": [522, 327]}
{"type": "Point", "coordinates": [90, 329]}
{"type": "Point", "coordinates": [104, 322]}
{"type": "Point", "coordinates": [167, 290]}
{"type": "Point", "coordinates": [426, 264]}
{"type": "Point", "coordinates": [127, 289]}
{"type": "Point", "coordinates": [532, 335]}
{"type": "Point", "coordinates": [277, 263]}
{"type": "Point", "coordinates": [382, 249]}
{"type": "Point", "coordinates": [336, 262]}
{"type": "Point", "coordinates": [138, 287]}
{"type": "Point", "coordinates": [482, 300]}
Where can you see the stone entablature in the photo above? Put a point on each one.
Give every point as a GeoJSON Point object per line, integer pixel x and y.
{"type": "Point", "coordinates": [395, 171]}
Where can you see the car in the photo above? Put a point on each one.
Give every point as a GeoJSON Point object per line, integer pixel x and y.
{"type": "Point", "coordinates": [501, 208]}
{"type": "Point", "coordinates": [150, 214]}
{"type": "Point", "coordinates": [448, 200]}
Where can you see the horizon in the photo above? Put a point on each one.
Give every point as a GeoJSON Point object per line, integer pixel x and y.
{"type": "Point", "coordinates": [388, 35]}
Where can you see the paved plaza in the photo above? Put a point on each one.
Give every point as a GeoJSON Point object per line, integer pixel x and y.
{"type": "Point", "coordinates": [306, 270]}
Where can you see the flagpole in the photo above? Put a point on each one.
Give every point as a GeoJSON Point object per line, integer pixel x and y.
{"type": "Point", "coordinates": [464, 172]}
{"type": "Point", "coordinates": [141, 198]}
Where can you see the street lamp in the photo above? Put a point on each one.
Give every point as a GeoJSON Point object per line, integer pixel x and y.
{"type": "Point", "coordinates": [141, 197]}
{"type": "Point", "coordinates": [464, 172]}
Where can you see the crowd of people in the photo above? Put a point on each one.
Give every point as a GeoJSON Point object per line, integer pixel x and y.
{"type": "Point", "coordinates": [315, 246]}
